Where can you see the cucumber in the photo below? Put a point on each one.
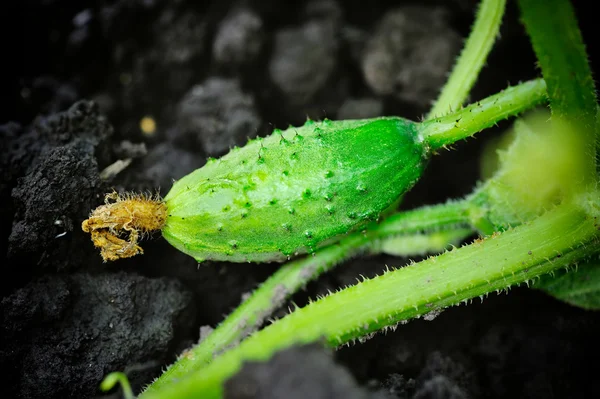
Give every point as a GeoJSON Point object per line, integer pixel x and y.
{"type": "Point", "coordinates": [295, 190]}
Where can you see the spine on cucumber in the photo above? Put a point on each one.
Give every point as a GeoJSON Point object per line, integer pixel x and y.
{"type": "Point", "coordinates": [293, 191]}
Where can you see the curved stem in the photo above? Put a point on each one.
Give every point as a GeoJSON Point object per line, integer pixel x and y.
{"type": "Point", "coordinates": [420, 244]}
{"type": "Point", "coordinates": [439, 132]}
{"type": "Point", "coordinates": [292, 276]}
{"type": "Point", "coordinates": [452, 218]}
{"type": "Point", "coordinates": [427, 218]}
{"type": "Point", "coordinates": [555, 240]}
{"type": "Point", "coordinates": [115, 378]}
{"type": "Point", "coordinates": [562, 57]}
{"type": "Point", "coordinates": [472, 58]}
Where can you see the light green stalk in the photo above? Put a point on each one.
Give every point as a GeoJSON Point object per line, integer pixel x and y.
{"type": "Point", "coordinates": [440, 132]}
{"type": "Point", "coordinates": [117, 378]}
{"type": "Point", "coordinates": [559, 47]}
{"type": "Point", "coordinates": [424, 230]}
{"type": "Point", "coordinates": [555, 240]}
{"type": "Point", "coordinates": [450, 219]}
{"type": "Point", "coordinates": [472, 59]}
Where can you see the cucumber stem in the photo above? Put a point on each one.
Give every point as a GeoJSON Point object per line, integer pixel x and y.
{"type": "Point", "coordinates": [555, 240]}
{"type": "Point", "coordinates": [453, 217]}
{"type": "Point", "coordinates": [445, 130]}
{"type": "Point", "coordinates": [562, 57]}
{"type": "Point", "coordinates": [117, 377]}
{"type": "Point", "coordinates": [472, 58]}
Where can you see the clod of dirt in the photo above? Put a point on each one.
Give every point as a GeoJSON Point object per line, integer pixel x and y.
{"type": "Point", "coordinates": [304, 59]}
{"type": "Point", "coordinates": [159, 48]}
{"type": "Point", "coordinates": [47, 208]}
{"type": "Point", "coordinates": [216, 114]}
{"type": "Point", "coordinates": [410, 54]}
{"type": "Point", "coordinates": [442, 377]}
{"type": "Point", "coordinates": [323, 9]}
{"type": "Point", "coordinates": [439, 387]}
{"type": "Point", "coordinates": [59, 187]}
{"type": "Point", "coordinates": [62, 334]}
{"type": "Point", "coordinates": [298, 372]}
{"type": "Point", "coordinates": [398, 387]}
{"type": "Point", "coordinates": [16, 151]}
{"type": "Point", "coordinates": [239, 38]}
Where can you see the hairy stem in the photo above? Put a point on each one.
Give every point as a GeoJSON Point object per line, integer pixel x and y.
{"type": "Point", "coordinates": [450, 214]}
{"type": "Point", "coordinates": [451, 218]}
{"type": "Point", "coordinates": [439, 132]}
{"type": "Point", "coordinates": [420, 244]}
{"type": "Point", "coordinates": [561, 55]}
{"type": "Point", "coordinates": [557, 239]}
{"type": "Point", "coordinates": [472, 58]}
{"type": "Point", "coordinates": [111, 380]}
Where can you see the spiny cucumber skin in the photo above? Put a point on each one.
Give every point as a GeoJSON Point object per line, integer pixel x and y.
{"type": "Point", "coordinates": [293, 191]}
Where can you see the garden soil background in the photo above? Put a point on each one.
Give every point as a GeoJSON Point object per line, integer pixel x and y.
{"type": "Point", "coordinates": [162, 85]}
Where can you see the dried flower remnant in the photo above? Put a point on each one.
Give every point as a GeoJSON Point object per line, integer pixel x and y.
{"type": "Point", "coordinates": [129, 214]}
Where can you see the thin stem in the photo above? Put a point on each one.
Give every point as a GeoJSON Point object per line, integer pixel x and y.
{"type": "Point", "coordinates": [558, 238]}
{"type": "Point", "coordinates": [250, 315]}
{"type": "Point", "coordinates": [421, 244]}
{"type": "Point", "coordinates": [115, 378]}
{"type": "Point", "coordinates": [472, 58]}
{"type": "Point", "coordinates": [291, 277]}
{"type": "Point", "coordinates": [450, 218]}
{"type": "Point", "coordinates": [561, 55]}
{"type": "Point", "coordinates": [425, 230]}
{"type": "Point", "coordinates": [439, 132]}
{"type": "Point", "coordinates": [427, 218]}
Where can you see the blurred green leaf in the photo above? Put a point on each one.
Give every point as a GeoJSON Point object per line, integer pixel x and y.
{"type": "Point", "coordinates": [578, 287]}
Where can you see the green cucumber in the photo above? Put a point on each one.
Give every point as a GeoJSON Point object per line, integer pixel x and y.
{"type": "Point", "coordinates": [295, 190]}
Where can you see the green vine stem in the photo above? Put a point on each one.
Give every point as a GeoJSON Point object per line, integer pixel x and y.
{"type": "Point", "coordinates": [450, 220]}
{"type": "Point", "coordinates": [421, 229]}
{"type": "Point", "coordinates": [472, 58]}
{"type": "Point", "coordinates": [111, 380]}
{"type": "Point", "coordinates": [561, 55]}
{"type": "Point", "coordinates": [559, 238]}
{"type": "Point", "coordinates": [432, 131]}
{"type": "Point", "coordinates": [450, 214]}
{"type": "Point", "coordinates": [420, 244]}
{"type": "Point", "coordinates": [445, 130]}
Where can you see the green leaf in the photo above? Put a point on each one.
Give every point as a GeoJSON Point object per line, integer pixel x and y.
{"type": "Point", "coordinates": [578, 287]}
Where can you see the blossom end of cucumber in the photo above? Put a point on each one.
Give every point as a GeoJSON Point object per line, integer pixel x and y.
{"type": "Point", "coordinates": [128, 215]}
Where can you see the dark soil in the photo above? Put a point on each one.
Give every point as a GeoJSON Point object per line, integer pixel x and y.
{"type": "Point", "coordinates": [80, 76]}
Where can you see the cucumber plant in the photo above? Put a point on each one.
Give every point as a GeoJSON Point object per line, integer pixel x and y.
{"type": "Point", "coordinates": [298, 189]}
{"type": "Point", "coordinates": [538, 212]}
